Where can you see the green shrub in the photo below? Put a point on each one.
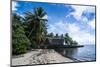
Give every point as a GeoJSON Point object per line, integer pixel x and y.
{"type": "Point", "coordinates": [20, 42]}
{"type": "Point", "coordinates": [34, 45]}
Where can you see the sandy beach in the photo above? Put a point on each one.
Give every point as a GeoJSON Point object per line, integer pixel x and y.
{"type": "Point", "coordinates": [39, 56]}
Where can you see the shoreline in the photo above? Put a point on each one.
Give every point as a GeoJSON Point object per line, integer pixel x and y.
{"type": "Point", "coordinates": [60, 46]}
{"type": "Point", "coordinates": [40, 56]}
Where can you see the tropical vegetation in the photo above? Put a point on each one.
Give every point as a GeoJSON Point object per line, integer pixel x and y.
{"type": "Point", "coordinates": [31, 31]}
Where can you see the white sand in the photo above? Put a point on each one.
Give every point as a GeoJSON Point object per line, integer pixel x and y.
{"type": "Point", "coordinates": [40, 56]}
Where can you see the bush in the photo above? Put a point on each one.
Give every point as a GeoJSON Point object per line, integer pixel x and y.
{"type": "Point", "coordinates": [33, 45]}
{"type": "Point", "coordinates": [20, 42]}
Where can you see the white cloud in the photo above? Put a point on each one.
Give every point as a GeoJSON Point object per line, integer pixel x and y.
{"type": "Point", "coordinates": [14, 8]}
{"type": "Point", "coordinates": [45, 17]}
{"type": "Point", "coordinates": [58, 27]}
{"type": "Point", "coordinates": [81, 36]}
{"type": "Point", "coordinates": [14, 5]}
{"type": "Point", "coordinates": [79, 11]}
{"type": "Point", "coordinates": [74, 30]}
{"type": "Point", "coordinates": [92, 23]}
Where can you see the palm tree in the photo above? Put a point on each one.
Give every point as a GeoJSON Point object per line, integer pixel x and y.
{"type": "Point", "coordinates": [68, 39]}
{"type": "Point", "coordinates": [36, 24]}
{"type": "Point", "coordinates": [62, 36]}
{"type": "Point", "coordinates": [50, 34]}
{"type": "Point", "coordinates": [57, 36]}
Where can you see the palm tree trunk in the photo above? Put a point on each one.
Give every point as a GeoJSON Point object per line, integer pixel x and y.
{"type": "Point", "coordinates": [30, 32]}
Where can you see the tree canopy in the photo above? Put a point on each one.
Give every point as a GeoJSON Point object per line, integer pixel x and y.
{"type": "Point", "coordinates": [36, 25]}
{"type": "Point", "coordinates": [20, 42]}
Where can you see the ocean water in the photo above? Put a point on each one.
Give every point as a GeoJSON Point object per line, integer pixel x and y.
{"type": "Point", "coordinates": [86, 53]}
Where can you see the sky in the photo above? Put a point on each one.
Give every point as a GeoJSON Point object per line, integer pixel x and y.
{"type": "Point", "coordinates": [76, 20]}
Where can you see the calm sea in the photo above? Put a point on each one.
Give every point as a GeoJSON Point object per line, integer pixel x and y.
{"type": "Point", "coordinates": [86, 53]}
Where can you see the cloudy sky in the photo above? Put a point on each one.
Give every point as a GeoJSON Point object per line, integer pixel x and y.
{"type": "Point", "coordinates": [76, 20]}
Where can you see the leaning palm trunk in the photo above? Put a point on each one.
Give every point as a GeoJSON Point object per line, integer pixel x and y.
{"type": "Point", "coordinates": [30, 32]}
{"type": "Point", "coordinates": [37, 25]}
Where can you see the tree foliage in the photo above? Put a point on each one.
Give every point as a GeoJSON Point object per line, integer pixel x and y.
{"type": "Point", "coordinates": [36, 25]}
{"type": "Point", "coordinates": [69, 40]}
{"type": "Point", "coordinates": [56, 36]}
{"type": "Point", "coordinates": [50, 35]}
{"type": "Point", "coordinates": [20, 42]}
